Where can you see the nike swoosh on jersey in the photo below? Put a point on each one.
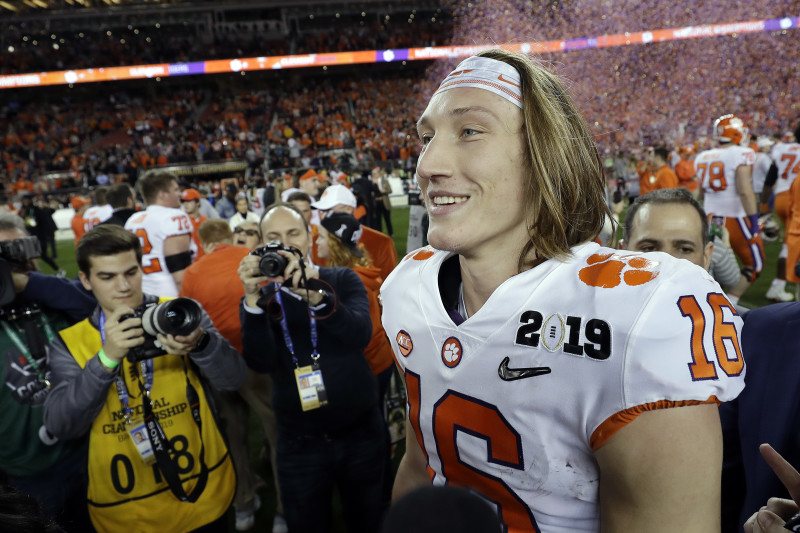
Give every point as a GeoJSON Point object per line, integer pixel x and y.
{"type": "Point", "coordinates": [513, 374]}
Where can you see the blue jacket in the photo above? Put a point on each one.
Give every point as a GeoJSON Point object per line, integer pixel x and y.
{"type": "Point", "coordinates": [344, 330]}
{"type": "Point", "coordinates": [767, 411]}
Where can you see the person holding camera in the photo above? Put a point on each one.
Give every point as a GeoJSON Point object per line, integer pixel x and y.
{"type": "Point", "coordinates": [142, 362]}
{"type": "Point", "coordinates": [308, 327]}
{"type": "Point", "coordinates": [33, 307]}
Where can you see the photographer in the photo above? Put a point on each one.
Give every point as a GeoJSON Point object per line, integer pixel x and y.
{"type": "Point", "coordinates": [308, 327]}
{"type": "Point", "coordinates": [31, 458]}
{"type": "Point", "coordinates": [107, 383]}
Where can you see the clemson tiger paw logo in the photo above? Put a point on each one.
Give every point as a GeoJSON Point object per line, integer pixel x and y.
{"type": "Point", "coordinates": [609, 270]}
{"type": "Point", "coordinates": [451, 352]}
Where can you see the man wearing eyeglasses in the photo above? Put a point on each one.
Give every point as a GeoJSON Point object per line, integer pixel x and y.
{"type": "Point", "coordinates": [190, 202]}
{"type": "Point", "coordinates": [247, 234]}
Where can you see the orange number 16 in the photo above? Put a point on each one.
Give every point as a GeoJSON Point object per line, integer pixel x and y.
{"type": "Point", "coordinates": [456, 412]}
{"type": "Point", "coordinates": [700, 367]}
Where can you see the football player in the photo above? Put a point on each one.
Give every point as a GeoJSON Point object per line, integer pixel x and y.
{"type": "Point", "coordinates": [725, 174]}
{"type": "Point", "coordinates": [786, 157]}
{"type": "Point", "coordinates": [573, 386]}
{"type": "Point", "coordinates": [99, 212]}
{"type": "Point", "coordinates": [165, 232]}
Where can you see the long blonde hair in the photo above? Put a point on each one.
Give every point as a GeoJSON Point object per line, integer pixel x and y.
{"type": "Point", "coordinates": [565, 193]}
{"type": "Point", "coordinates": [339, 255]}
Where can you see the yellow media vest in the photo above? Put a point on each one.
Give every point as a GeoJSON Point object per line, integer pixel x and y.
{"type": "Point", "coordinates": [124, 493]}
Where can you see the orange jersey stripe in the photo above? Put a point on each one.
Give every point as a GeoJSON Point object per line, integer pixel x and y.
{"type": "Point", "coordinates": [619, 420]}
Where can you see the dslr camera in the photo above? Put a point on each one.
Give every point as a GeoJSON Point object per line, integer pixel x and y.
{"type": "Point", "coordinates": [180, 316]}
{"type": "Point", "coordinates": [272, 263]}
{"type": "Point", "coordinates": [15, 255]}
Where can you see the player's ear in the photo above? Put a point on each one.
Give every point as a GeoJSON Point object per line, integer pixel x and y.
{"type": "Point", "coordinates": [84, 280]}
{"type": "Point", "coordinates": [707, 252]}
{"type": "Point", "coordinates": [621, 245]}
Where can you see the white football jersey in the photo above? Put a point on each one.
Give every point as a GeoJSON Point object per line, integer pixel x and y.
{"type": "Point", "coordinates": [257, 201]}
{"type": "Point", "coordinates": [787, 159]}
{"type": "Point", "coordinates": [96, 215]}
{"type": "Point", "coordinates": [716, 169]}
{"type": "Point", "coordinates": [760, 170]}
{"type": "Point", "coordinates": [514, 401]}
{"type": "Point", "coordinates": [153, 226]}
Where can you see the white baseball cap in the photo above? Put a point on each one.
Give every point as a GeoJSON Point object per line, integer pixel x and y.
{"type": "Point", "coordinates": [764, 142]}
{"type": "Point", "coordinates": [333, 196]}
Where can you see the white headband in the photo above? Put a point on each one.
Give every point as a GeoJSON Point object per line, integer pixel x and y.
{"type": "Point", "coordinates": [484, 73]}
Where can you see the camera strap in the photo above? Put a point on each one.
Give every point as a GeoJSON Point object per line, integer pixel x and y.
{"type": "Point", "coordinates": [122, 390]}
{"type": "Point", "coordinates": [287, 338]}
{"type": "Point", "coordinates": [33, 348]}
{"type": "Point", "coordinates": [162, 447]}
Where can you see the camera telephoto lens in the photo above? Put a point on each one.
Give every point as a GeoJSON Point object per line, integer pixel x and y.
{"type": "Point", "coordinates": [180, 316]}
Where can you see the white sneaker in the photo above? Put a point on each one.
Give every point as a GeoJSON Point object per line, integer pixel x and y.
{"type": "Point", "coordinates": [279, 525]}
{"type": "Point", "coordinates": [777, 294]}
{"type": "Point", "coordinates": [246, 518]}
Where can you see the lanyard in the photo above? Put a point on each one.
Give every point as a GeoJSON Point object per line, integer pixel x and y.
{"type": "Point", "coordinates": [23, 348]}
{"type": "Point", "coordinates": [122, 390]}
{"type": "Point", "coordinates": [287, 338]}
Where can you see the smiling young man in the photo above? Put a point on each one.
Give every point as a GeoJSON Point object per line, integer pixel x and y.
{"type": "Point", "coordinates": [566, 383]}
{"type": "Point", "coordinates": [98, 390]}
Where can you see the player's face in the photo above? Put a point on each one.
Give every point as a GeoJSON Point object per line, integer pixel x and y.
{"type": "Point", "coordinates": [672, 228]}
{"type": "Point", "coordinates": [322, 243]}
{"type": "Point", "coordinates": [284, 225]}
{"type": "Point", "coordinates": [305, 208]}
{"type": "Point", "coordinates": [246, 234]}
{"type": "Point", "coordinates": [310, 186]}
{"type": "Point", "coordinates": [115, 280]}
{"type": "Point", "coordinates": [190, 207]}
{"type": "Point", "coordinates": [472, 172]}
{"type": "Point", "coordinates": [172, 196]}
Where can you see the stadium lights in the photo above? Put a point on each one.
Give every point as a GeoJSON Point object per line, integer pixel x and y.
{"type": "Point", "coordinates": [220, 66]}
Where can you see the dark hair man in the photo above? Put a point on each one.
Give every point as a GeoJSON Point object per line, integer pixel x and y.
{"type": "Point", "coordinates": [182, 477]}
{"type": "Point", "coordinates": [671, 221]}
{"type": "Point", "coordinates": [123, 200]}
{"type": "Point", "coordinates": [665, 177]}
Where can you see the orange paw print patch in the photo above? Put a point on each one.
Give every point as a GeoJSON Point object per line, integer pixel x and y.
{"type": "Point", "coordinates": [609, 270]}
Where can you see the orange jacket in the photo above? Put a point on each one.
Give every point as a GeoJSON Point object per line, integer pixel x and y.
{"type": "Point", "coordinates": [647, 180]}
{"type": "Point", "coordinates": [213, 281]}
{"type": "Point", "coordinates": [378, 352]}
{"type": "Point", "coordinates": [77, 227]}
{"type": "Point", "coordinates": [195, 237]}
{"type": "Point", "coordinates": [686, 174]}
{"type": "Point", "coordinates": [665, 178]}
